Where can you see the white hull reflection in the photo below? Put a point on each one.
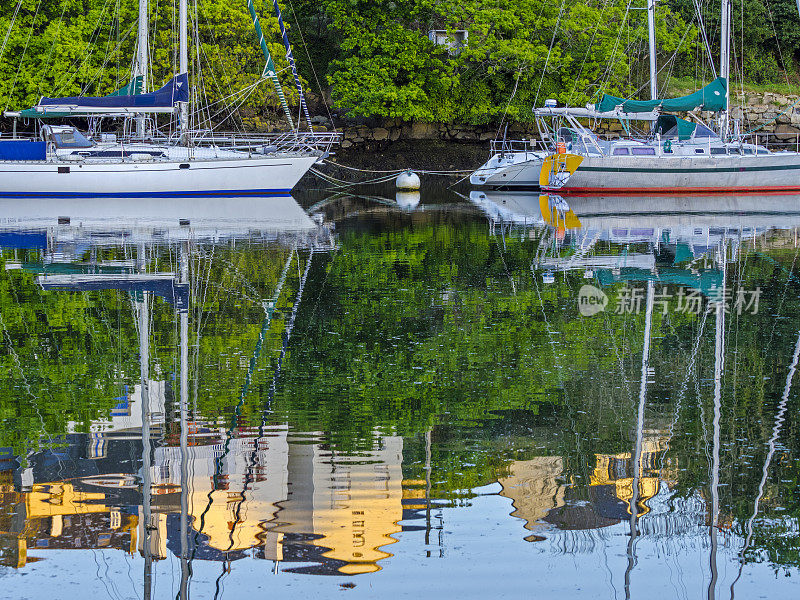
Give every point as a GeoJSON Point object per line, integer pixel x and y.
{"type": "Point", "coordinates": [737, 213]}
{"type": "Point", "coordinates": [153, 219]}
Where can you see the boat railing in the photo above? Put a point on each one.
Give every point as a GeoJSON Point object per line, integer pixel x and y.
{"type": "Point", "coordinates": [775, 141]}
{"type": "Point", "coordinates": [506, 146]}
{"type": "Point", "coordinates": [292, 141]}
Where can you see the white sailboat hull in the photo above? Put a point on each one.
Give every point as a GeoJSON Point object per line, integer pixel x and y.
{"type": "Point", "coordinates": [667, 174]}
{"type": "Point", "coordinates": [269, 175]}
{"type": "Point", "coordinates": [517, 170]}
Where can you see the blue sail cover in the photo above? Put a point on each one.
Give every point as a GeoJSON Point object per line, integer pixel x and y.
{"type": "Point", "coordinates": [176, 90]}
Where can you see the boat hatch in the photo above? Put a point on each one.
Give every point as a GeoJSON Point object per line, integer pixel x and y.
{"type": "Point", "coordinates": [65, 137]}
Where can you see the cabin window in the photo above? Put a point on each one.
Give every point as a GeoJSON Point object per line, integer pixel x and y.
{"type": "Point", "coordinates": [621, 152]}
{"type": "Point", "coordinates": [699, 151]}
{"type": "Point", "coordinates": [719, 151]}
{"type": "Point", "coordinates": [643, 151]}
{"type": "Point", "coordinates": [71, 139]}
{"type": "Point", "coordinates": [701, 131]}
{"type": "Point", "coordinates": [762, 151]}
{"type": "Point", "coordinates": [748, 151]}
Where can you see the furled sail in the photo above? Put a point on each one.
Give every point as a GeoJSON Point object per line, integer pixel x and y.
{"type": "Point", "coordinates": [162, 100]}
{"type": "Point", "coordinates": [711, 97]}
{"type": "Point", "coordinates": [131, 89]}
{"type": "Point", "coordinates": [290, 59]}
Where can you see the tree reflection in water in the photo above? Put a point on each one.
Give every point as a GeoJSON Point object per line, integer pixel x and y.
{"type": "Point", "coordinates": [336, 400]}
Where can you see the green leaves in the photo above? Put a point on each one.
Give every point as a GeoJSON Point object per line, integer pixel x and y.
{"type": "Point", "coordinates": [518, 53]}
{"type": "Point", "coordinates": [72, 47]}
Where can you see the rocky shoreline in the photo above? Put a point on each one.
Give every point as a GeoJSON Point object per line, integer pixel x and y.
{"type": "Point", "coordinates": [772, 114]}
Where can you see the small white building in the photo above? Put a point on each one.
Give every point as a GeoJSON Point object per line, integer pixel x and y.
{"type": "Point", "coordinates": [454, 41]}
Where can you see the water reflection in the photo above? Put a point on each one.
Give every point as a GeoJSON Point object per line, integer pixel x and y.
{"type": "Point", "coordinates": [386, 390]}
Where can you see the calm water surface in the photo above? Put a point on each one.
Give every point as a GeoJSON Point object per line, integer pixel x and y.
{"type": "Point", "coordinates": [480, 396]}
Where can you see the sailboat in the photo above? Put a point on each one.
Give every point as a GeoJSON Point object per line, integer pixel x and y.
{"type": "Point", "coordinates": [62, 162]}
{"type": "Point", "coordinates": [678, 155]}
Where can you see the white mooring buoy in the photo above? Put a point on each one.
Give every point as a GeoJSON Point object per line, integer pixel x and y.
{"type": "Point", "coordinates": [407, 181]}
{"type": "Point", "coordinates": [408, 199]}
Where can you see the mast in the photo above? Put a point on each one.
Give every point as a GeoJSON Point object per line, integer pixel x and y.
{"type": "Point", "coordinates": [142, 59]}
{"type": "Point", "coordinates": [184, 417]}
{"type": "Point", "coordinates": [719, 363]}
{"type": "Point", "coordinates": [183, 64]}
{"type": "Point", "coordinates": [651, 35]}
{"type": "Point", "coordinates": [637, 453]}
{"type": "Point", "coordinates": [725, 62]}
{"type": "Point", "coordinates": [144, 352]}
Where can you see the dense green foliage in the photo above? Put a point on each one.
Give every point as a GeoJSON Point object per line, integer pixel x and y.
{"type": "Point", "coordinates": [374, 58]}
{"type": "Point", "coordinates": [86, 47]}
{"type": "Point", "coordinates": [518, 53]}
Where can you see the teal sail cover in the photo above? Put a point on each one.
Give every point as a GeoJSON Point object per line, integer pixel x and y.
{"type": "Point", "coordinates": [712, 97]}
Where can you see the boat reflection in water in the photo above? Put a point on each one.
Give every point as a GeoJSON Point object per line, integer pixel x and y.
{"type": "Point", "coordinates": [201, 491]}
{"type": "Point", "coordinates": [664, 248]}
{"type": "Point", "coordinates": [518, 439]}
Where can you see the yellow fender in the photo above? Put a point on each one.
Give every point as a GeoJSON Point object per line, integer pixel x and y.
{"type": "Point", "coordinates": [557, 164]}
{"type": "Point", "coordinates": [555, 218]}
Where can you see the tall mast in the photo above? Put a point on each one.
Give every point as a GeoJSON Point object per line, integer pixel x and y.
{"type": "Point", "coordinates": [184, 438]}
{"type": "Point", "coordinates": [637, 453]}
{"type": "Point", "coordinates": [651, 34]}
{"type": "Point", "coordinates": [725, 61]}
{"type": "Point", "coordinates": [719, 364]}
{"type": "Point", "coordinates": [183, 60]}
{"type": "Point", "coordinates": [142, 58]}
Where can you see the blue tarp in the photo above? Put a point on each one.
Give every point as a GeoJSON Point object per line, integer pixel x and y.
{"type": "Point", "coordinates": [23, 240]}
{"type": "Point", "coordinates": [176, 90]}
{"type": "Point", "coordinates": [22, 150]}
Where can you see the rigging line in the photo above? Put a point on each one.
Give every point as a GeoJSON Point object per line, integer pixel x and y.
{"type": "Point", "coordinates": [682, 393]}
{"type": "Point", "coordinates": [108, 56]}
{"type": "Point", "coordinates": [586, 54]}
{"type": "Point", "coordinates": [607, 74]}
{"type": "Point", "coordinates": [265, 325]}
{"type": "Point", "coordinates": [52, 47]}
{"type": "Point", "coordinates": [268, 404]}
{"type": "Point", "coordinates": [311, 64]}
{"type": "Point", "coordinates": [706, 44]}
{"type": "Point", "coordinates": [221, 63]}
{"type": "Point", "coordinates": [99, 74]}
{"type": "Point", "coordinates": [508, 104]}
{"type": "Point", "coordinates": [22, 58]}
{"type": "Point", "coordinates": [10, 27]}
{"type": "Point", "coordinates": [776, 430]}
{"type": "Point", "coordinates": [232, 108]}
{"type": "Point", "coordinates": [86, 54]}
{"type": "Point", "coordinates": [550, 50]}
{"type": "Point", "coordinates": [777, 45]}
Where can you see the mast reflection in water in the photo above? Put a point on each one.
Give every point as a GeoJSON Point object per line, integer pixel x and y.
{"type": "Point", "coordinates": [369, 398]}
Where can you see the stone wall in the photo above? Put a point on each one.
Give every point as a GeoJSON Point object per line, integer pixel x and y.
{"type": "Point", "coordinates": [764, 112]}
{"type": "Point", "coordinates": [380, 133]}
{"type": "Point", "coordinates": [773, 113]}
